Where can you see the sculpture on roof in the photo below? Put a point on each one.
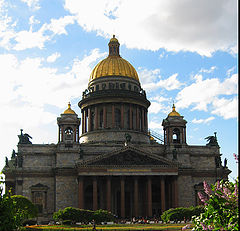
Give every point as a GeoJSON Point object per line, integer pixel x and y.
{"type": "Point", "coordinates": [212, 140]}
{"type": "Point", "coordinates": [225, 163]}
{"type": "Point", "coordinates": [6, 162]}
{"type": "Point", "coordinates": [13, 154]}
{"type": "Point", "coordinates": [24, 138]}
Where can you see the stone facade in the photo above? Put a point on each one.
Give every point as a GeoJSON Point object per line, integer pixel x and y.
{"type": "Point", "coordinates": [115, 164]}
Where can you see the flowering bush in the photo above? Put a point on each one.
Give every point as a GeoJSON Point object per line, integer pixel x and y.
{"type": "Point", "coordinates": [221, 207]}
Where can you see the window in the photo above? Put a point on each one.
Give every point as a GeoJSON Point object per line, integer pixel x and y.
{"type": "Point", "coordinates": [117, 118]}
{"type": "Point", "coordinates": [39, 197]}
{"type": "Point", "coordinates": [68, 133]}
{"type": "Point", "coordinates": [101, 119]}
{"type": "Point", "coordinates": [176, 135]}
{"type": "Point", "coordinates": [38, 200]}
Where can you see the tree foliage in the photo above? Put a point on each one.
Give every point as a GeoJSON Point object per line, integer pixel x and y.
{"type": "Point", "coordinates": [221, 207]}
{"type": "Point", "coordinates": [14, 210]}
{"type": "Point", "coordinates": [24, 208]}
{"type": "Point", "coordinates": [7, 215]}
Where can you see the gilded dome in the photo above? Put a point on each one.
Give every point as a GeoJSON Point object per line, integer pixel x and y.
{"type": "Point", "coordinates": [173, 112]}
{"type": "Point", "coordinates": [69, 110]}
{"type": "Point", "coordinates": [114, 64]}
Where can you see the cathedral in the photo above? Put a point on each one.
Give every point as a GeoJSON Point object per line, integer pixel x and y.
{"type": "Point", "coordinates": [113, 162]}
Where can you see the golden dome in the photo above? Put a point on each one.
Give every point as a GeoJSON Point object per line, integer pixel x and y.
{"type": "Point", "coordinates": [69, 110]}
{"type": "Point", "coordinates": [114, 64]}
{"type": "Point", "coordinates": [173, 112]}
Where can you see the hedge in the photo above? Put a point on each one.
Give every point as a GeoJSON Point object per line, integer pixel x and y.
{"type": "Point", "coordinates": [84, 216]}
{"type": "Point", "coordinates": [181, 213]}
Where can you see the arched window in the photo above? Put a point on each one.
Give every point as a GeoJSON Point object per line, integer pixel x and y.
{"type": "Point", "coordinates": [176, 135]}
{"type": "Point", "coordinates": [68, 133]}
{"type": "Point", "coordinates": [117, 118]}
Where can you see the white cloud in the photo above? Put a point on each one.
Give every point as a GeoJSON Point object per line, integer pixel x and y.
{"type": "Point", "coordinates": [197, 26]}
{"type": "Point", "coordinates": [33, 21]}
{"type": "Point", "coordinates": [203, 93]}
{"type": "Point", "coordinates": [52, 58]}
{"type": "Point", "coordinates": [152, 80]}
{"type": "Point", "coordinates": [155, 125]}
{"type": "Point", "coordinates": [30, 39]}
{"type": "Point", "coordinates": [6, 26]}
{"type": "Point", "coordinates": [27, 39]}
{"type": "Point", "coordinates": [29, 83]}
{"type": "Point", "coordinates": [227, 108]}
{"type": "Point", "coordinates": [33, 4]}
{"type": "Point", "coordinates": [229, 71]}
{"type": "Point", "coordinates": [57, 26]}
{"type": "Point", "coordinates": [208, 70]}
{"type": "Point", "coordinates": [29, 89]}
{"type": "Point", "coordinates": [202, 121]}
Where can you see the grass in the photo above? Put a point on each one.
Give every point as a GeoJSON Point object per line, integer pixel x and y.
{"type": "Point", "coordinates": [116, 227]}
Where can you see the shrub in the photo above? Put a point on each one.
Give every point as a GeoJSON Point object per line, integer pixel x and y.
{"type": "Point", "coordinates": [67, 222]}
{"type": "Point", "coordinates": [178, 214]}
{"type": "Point", "coordinates": [102, 216]}
{"type": "Point", "coordinates": [14, 210]}
{"type": "Point", "coordinates": [81, 215]}
{"type": "Point", "coordinates": [221, 207]}
{"type": "Point", "coordinates": [25, 207]}
{"type": "Point", "coordinates": [7, 217]}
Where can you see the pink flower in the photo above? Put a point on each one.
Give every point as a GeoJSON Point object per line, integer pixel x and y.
{"type": "Point", "coordinates": [204, 226]}
{"type": "Point", "coordinates": [236, 190]}
{"type": "Point", "coordinates": [218, 185]}
{"type": "Point", "coordinates": [235, 157]}
{"type": "Point", "coordinates": [202, 197]}
{"type": "Point", "coordinates": [207, 188]}
{"type": "Point", "coordinates": [210, 227]}
{"type": "Point", "coordinates": [226, 191]}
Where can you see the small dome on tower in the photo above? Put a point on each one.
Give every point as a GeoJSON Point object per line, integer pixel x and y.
{"type": "Point", "coordinates": [113, 39]}
{"type": "Point", "coordinates": [173, 112]}
{"type": "Point", "coordinates": [69, 110]}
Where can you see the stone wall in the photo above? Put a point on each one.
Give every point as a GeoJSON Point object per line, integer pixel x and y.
{"type": "Point", "coordinates": [66, 192]}
{"type": "Point", "coordinates": [185, 191]}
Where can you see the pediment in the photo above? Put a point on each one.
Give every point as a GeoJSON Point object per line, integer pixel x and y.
{"type": "Point", "coordinates": [128, 156]}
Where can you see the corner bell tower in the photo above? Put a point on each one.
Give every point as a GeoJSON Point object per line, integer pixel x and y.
{"type": "Point", "coordinates": [174, 127]}
{"type": "Point", "coordinates": [68, 124]}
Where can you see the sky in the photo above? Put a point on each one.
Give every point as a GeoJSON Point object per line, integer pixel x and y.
{"type": "Point", "coordinates": [184, 51]}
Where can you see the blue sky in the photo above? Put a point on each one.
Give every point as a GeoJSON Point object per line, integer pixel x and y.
{"type": "Point", "coordinates": [184, 51]}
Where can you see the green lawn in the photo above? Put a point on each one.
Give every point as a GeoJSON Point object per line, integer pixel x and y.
{"type": "Point", "coordinates": [114, 227]}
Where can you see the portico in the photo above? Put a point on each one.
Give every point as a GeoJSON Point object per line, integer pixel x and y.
{"type": "Point", "coordinates": [125, 189]}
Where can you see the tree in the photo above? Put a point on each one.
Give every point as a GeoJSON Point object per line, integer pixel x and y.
{"type": "Point", "coordinates": [24, 208]}
{"type": "Point", "coordinates": [221, 207]}
{"type": "Point", "coordinates": [14, 210]}
{"type": "Point", "coordinates": [7, 216]}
